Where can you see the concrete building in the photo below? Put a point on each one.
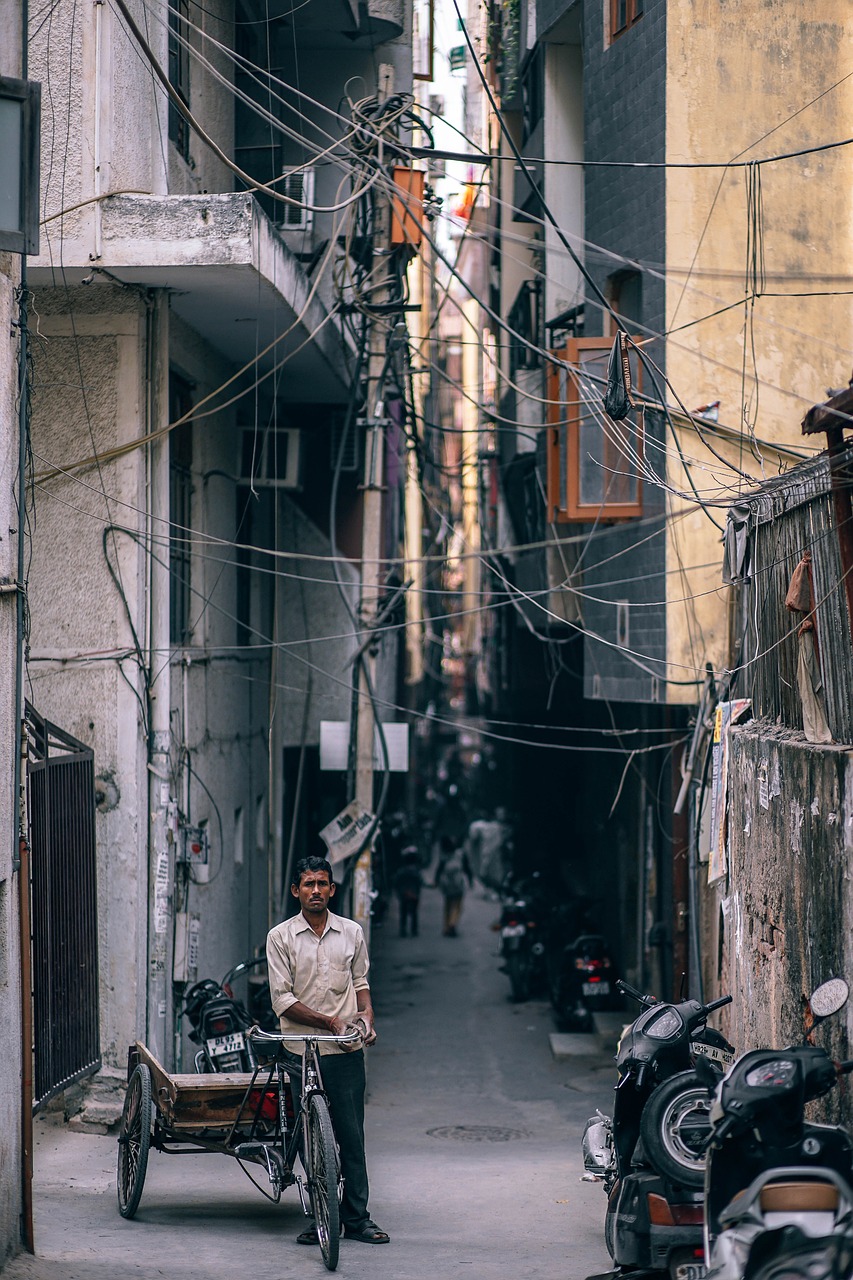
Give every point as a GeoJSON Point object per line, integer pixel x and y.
{"type": "Point", "coordinates": [639, 120]}
{"type": "Point", "coordinates": [192, 370]}
{"type": "Point", "coordinates": [12, 1155]}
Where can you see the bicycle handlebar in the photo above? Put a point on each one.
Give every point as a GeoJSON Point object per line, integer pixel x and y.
{"type": "Point", "coordinates": [257, 1033]}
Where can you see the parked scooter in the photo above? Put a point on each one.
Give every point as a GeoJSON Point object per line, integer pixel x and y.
{"type": "Point", "coordinates": [779, 1190]}
{"type": "Point", "coordinates": [219, 1021]}
{"type": "Point", "coordinates": [582, 980]}
{"type": "Point", "coordinates": [522, 940]}
{"type": "Point", "coordinates": [650, 1155]}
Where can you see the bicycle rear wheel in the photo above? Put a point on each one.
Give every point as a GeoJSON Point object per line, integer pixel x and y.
{"type": "Point", "coordinates": [323, 1179]}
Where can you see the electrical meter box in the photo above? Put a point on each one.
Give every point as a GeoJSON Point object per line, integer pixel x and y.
{"type": "Point", "coordinates": [194, 846]}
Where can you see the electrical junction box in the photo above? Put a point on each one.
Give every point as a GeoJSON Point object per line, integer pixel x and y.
{"type": "Point", "coordinates": [194, 846]}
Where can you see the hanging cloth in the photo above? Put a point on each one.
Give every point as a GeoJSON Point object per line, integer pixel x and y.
{"type": "Point", "coordinates": [800, 599]}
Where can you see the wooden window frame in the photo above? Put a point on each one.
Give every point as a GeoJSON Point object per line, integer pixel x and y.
{"type": "Point", "coordinates": [563, 419]}
{"type": "Point", "coordinates": [634, 10]}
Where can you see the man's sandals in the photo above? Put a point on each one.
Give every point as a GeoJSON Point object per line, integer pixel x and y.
{"type": "Point", "coordinates": [368, 1233]}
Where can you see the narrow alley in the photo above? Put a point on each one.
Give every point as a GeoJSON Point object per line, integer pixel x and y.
{"type": "Point", "coordinates": [473, 1145]}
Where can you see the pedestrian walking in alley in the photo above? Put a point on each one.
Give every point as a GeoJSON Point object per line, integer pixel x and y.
{"type": "Point", "coordinates": [318, 966]}
{"type": "Point", "coordinates": [408, 883]}
{"type": "Point", "coordinates": [453, 871]}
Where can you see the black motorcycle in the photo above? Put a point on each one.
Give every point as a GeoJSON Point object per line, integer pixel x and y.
{"type": "Point", "coordinates": [522, 938]}
{"type": "Point", "coordinates": [219, 1021]}
{"type": "Point", "coordinates": [650, 1155]}
{"type": "Point", "coordinates": [779, 1190]}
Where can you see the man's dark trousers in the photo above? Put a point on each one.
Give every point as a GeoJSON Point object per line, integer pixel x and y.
{"type": "Point", "coordinates": [343, 1081]}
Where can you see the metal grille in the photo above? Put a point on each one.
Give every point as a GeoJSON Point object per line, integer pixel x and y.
{"type": "Point", "coordinates": [789, 516]}
{"type": "Point", "coordinates": [61, 802]}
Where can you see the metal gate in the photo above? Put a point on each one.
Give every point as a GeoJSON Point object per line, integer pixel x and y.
{"type": "Point", "coordinates": [61, 805]}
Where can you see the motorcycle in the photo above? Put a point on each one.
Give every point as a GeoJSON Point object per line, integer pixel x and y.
{"type": "Point", "coordinates": [522, 943]}
{"type": "Point", "coordinates": [582, 980]}
{"type": "Point", "coordinates": [650, 1154]}
{"type": "Point", "coordinates": [779, 1190]}
{"type": "Point", "coordinates": [219, 1021]}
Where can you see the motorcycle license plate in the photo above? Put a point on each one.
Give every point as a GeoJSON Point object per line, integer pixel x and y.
{"type": "Point", "coordinates": [716, 1054]}
{"type": "Point", "coordinates": [690, 1271]}
{"type": "Point", "coordinates": [595, 988]}
{"type": "Point", "coordinates": [513, 931]}
{"type": "Point", "coordinates": [225, 1044]}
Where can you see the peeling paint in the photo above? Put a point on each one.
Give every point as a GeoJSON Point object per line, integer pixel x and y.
{"type": "Point", "coordinates": [797, 815]}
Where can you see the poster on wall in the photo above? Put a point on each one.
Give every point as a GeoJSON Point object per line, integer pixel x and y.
{"type": "Point", "coordinates": [726, 714]}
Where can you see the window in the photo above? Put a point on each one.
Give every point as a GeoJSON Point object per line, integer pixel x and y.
{"type": "Point", "coordinates": [623, 14]}
{"type": "Point", "coordinates": [533, 93]}
{"type": "Point", "coordinates": [298, 185]}
{"type": "Point", "coordinates": [423, 26]}
{"type": "Point", "coordinates": [179, 74]}
{"type": "Point", "coordinates": [180, 510]}
{"type": "Point", "coordinates": [625, 294]}
{"type": "Point", "coordinates": [593, 462]}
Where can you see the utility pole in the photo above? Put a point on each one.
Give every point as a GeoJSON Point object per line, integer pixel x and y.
{"type": "Point", "coordinates": [371, 537]}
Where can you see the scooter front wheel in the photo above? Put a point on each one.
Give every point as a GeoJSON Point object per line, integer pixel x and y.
{"type": "Point", "coordinates": [674, 1126]}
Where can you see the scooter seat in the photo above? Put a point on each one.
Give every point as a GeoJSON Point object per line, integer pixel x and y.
{"type": "Point", "coordinates": [799, 1197]}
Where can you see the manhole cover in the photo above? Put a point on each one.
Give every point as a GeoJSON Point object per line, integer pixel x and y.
{"type": "Point", "coordinates": [476, 1133]}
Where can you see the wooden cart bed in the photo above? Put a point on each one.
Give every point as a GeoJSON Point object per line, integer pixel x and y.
{"type": "Point", "coordinates": [209, 1101]}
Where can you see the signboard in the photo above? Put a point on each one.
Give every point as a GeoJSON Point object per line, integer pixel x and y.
{"type": "Point", "coordinates": [334, 746]}
{"type": "Point", "coordinates": [344, 834]}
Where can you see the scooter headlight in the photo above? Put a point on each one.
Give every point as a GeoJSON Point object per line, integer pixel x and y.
{"type": "Point", "coordinates": [775, 1074]}
{"type": "Point", "coordinates": [666, 1025]}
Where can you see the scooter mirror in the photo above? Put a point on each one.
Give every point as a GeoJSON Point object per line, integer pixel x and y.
{"type": "Point", "coordinates": [829, 997]}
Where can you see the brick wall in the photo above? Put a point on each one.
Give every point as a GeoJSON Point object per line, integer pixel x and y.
{"type": "Point", "coordinates": [625, 119]}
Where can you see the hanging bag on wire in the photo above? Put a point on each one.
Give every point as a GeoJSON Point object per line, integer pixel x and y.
{"type": "Point", "coordinates": [617, 397]}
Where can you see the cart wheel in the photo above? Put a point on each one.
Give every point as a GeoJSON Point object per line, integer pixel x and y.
{"type": "Point", "coordinates": [323, 1179]}
{"type": "Point", "coordinates": [134, 1139]}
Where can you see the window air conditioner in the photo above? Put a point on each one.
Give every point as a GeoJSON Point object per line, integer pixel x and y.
{"type": "Point", "coordinates": [270, 457]}
{"type": "Point", "coordinates": [297, 184]}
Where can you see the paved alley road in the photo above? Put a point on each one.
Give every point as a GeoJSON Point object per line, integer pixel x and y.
{"type": "Point", "coordinates": [455, 1062]}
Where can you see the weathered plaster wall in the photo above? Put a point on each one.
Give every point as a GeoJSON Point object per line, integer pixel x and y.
{"type": "Point", "coordinates": [10, 985]}
{"type": "Point", "coordinates": [748, 81]}
{"type": "Point", "coordinates": [89, 393]}
{"type": "Point", "coordinates": [219, 690]}
{"type": "Point", "coordinates": [105, 125]}
{"type": "Point", "coordinates": [788, 902]}
{"type": "Point", "coordinates": [564, 187]}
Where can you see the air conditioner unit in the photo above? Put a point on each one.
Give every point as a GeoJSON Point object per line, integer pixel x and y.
{"type": "Point", "coordinates": [298, 185]}
{"type": "Point", "coordinates": [350, 458]}
{"type": "Point", "coordinates": [270, 457]}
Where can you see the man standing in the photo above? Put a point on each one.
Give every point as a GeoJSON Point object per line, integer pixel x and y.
{"type": "Point", "coordinates": [318, 968]}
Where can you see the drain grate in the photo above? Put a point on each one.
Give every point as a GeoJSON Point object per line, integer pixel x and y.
{"type": "Point", "coordinates": [476, 1133]}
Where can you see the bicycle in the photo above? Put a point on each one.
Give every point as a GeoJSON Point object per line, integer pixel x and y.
{"type": "Point", "coordinates": [250, 1116]}
{"type": "Point", "coordinates": [319, 1153]}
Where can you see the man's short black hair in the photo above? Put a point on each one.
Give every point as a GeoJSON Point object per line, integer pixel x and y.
{"type": "Point", "coordinates": [312, 863]}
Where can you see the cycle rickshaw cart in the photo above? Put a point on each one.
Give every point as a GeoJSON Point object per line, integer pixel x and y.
{"type": "Point", "coordinates": [249, 1116]}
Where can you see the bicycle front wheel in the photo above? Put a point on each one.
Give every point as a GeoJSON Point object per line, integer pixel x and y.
{"type": "Point", "coordinates": [323, 1179]}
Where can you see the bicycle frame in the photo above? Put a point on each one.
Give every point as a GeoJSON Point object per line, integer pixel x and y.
{"type": "Point", "coordinates": [312, 1083]}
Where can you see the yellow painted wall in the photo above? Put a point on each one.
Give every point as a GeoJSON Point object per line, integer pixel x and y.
{"type": "Point", "coordinates": [741, 75]}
